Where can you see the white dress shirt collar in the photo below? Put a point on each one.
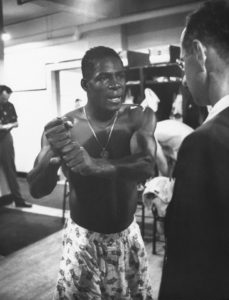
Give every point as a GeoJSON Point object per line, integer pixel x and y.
{"type": "Point", "coordinates": [222, 104]}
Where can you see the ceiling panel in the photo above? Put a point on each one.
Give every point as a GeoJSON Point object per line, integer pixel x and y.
{"type": "Point", "coordinates": [85, 11]}
{"type": "Point", "coordinates": [89, 10]}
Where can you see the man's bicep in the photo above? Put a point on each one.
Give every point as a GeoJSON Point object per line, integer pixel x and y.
{"type": "Point", "coordinates": [143, 140]}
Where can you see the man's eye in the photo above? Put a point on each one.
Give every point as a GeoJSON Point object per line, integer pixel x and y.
{"type": "Point", "coordinates": [102, 78]}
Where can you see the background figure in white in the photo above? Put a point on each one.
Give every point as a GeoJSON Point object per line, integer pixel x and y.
{"type": "Point", "coordinates": [158, 191]}
{"type": "Point", "coordinates": [151, 100]}
{"type": "Point", "coordinates": [169, 135]}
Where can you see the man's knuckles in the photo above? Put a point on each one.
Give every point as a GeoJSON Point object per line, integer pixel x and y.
{"type": "Point", "coordinates": [54, 123]}
{"type": "Point", "coordinates": [61, 129]}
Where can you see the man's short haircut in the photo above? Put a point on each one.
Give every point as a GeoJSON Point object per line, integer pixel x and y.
{"type": "Point", "coordinates": [210, 25]}
{"type": "Point", "coordinates": [92, 56]}
{"type": "Point", "coordinates": [5, 88]}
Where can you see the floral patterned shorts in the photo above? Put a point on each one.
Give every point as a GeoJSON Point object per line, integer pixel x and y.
{"type": "Point", "coordinates": [103, 266]}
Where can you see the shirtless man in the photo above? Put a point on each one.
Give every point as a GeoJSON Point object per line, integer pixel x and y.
{"type": "Point", "coordinates": [105, 149]}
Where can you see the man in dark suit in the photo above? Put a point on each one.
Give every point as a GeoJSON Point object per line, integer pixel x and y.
{"type": "Point", "coordinates": [196, 263]}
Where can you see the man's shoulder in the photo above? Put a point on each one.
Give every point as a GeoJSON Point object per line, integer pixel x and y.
{"type": "Point", "coordinates": [130, 111]}
{"type": "Point", "coordinates": [216, 126]}
{"type": "Point", "coordinates": [9, 104]}
{"type": "Point", "coordinates": [222, 118]}
{"type": "Point", "coordinates": [75, 114]}
{"type": "Point", "coordinates": [136, 114]}
{"type": "Point", "coordinates": [206, 138]}
{"type": "Point", "coordinates": [196, 139]}
{"type": "Point", "coordinates": [6, 105]}
{"type": "Point", "coordinates": [130, 108]}
{"type": "Point", "coordinates": [135, 110]}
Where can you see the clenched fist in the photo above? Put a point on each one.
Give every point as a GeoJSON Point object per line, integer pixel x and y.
{"type": "Point", "coordinates": [78, 159]}
{"type": "Point", "coordinates": [58, 134]}
{"type": "Point", "coordinates": [70, 152]}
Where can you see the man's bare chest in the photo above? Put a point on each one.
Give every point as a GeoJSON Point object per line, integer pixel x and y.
{"type": "Point", "coordinates": [99, 141]}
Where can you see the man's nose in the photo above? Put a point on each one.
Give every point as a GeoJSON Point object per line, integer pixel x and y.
{"type": "Point", "coordinates": [114, 82]}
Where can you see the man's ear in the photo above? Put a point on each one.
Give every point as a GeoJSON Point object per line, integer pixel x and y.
{"type": "Point", "coordinates": [84, 84]}
{"type": "Point", "coordinates": [199, 51]}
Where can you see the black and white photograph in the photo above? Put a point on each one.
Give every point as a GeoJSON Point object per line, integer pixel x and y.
{"type": "Point", "coordinates": [114, 150]}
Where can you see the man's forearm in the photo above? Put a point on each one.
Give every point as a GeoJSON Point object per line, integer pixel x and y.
{"type": "Point", "coordinates": [135, 167]}
{"type": "Point", "coordinates": [43, 177]}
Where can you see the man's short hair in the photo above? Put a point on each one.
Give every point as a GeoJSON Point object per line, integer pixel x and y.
{"type": "Point", "coordinates": [210, 25]}
{"type": "Point", "coordinates": [92, 56]}
{"type": "Point", "coordinates": [5, 88]}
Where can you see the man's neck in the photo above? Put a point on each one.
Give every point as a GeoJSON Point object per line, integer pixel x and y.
{"type": "Point", "coordinates": [216, 97]}
{"type": "Point", "coordinates": [98, 115]}
{"type": "Point", "coordinates": [218, 77]}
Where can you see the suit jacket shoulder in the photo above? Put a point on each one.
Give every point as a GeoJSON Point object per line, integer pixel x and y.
{"type": "Point", "coordinates": [197, 223]}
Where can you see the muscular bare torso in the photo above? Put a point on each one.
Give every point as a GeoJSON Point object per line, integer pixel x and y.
{"type": "Point", "coordinates": [104, 204]}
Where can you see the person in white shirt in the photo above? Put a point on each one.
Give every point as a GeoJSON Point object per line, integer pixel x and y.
{"type": "Point", "coordinates": [197, 219]}
{"type": "Point", "coordinates": [169, 135]}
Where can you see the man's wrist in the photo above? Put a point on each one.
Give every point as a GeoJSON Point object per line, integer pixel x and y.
{"type": "Point", "coordinates": [105, 168]}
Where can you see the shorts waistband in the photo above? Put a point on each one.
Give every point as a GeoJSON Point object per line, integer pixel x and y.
{"type": "Point", "coordinates": [92, 235]}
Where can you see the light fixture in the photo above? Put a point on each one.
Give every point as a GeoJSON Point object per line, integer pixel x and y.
{"type": "Point", "coordinates": [5, 36]}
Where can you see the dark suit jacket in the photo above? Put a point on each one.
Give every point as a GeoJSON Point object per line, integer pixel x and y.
{"type": "Point", "coordinates": [197, 223]}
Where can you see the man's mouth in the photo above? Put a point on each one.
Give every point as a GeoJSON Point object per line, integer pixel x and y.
{"type": "Point", "coordinates": [114, 100]}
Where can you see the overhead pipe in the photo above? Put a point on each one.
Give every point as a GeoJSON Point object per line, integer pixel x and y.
{"type": "Point", "coordinates": [111, 22]}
